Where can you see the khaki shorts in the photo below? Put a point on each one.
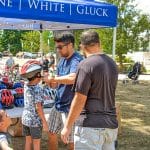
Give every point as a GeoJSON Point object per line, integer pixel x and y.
{"type": "Point", "coordinates": [94, 138]}
{"type": "Point", "coordinates": [56, 122]}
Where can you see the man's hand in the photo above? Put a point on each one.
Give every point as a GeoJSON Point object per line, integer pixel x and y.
{"type": "Point", "coordinates": [48, 80]}
{"type": "Point", "coordinates": [45, 127]}
{"type": "Point", "coordinates": [65, 135]}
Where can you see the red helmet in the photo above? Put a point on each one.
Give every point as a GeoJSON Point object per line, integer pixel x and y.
{"type": "Point", "coordinates": [5, 79]}
{"type": "Point", "coordinates": [30, 69]}
{"type": "Point", "coordinates": [6, 97]}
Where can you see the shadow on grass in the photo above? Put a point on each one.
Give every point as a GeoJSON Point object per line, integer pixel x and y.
{"type": "Point", "coordinates": [135, 104]}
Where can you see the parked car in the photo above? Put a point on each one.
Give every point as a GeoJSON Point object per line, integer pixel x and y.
{"type": "Point", "coordinates": [6, 53]}
{"type": "Point", "coordinates": [29, 55]}
{"type": "Point", "coordinates": [19, 54]}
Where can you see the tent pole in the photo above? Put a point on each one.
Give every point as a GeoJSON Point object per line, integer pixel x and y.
{"type": "Point", "coordinates": [41, 42]}
{"type": "Point", "coordinates": [114, 43]}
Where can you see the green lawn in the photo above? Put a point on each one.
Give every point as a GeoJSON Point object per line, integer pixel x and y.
{"type": "Point", "coordinates": [135, 108]}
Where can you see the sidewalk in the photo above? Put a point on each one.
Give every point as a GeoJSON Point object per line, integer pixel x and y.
{"type": "Point", "coordinates": [141, 77]}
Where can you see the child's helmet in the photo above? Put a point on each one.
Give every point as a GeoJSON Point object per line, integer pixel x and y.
{"type": "Point", "coordinates": [30, 69]}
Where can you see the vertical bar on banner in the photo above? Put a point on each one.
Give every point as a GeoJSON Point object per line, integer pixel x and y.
{"type": "Point", "coordinates": [114, 43]}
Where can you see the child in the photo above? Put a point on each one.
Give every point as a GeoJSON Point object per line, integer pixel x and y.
{"type": "Point", "coordinates": [5, 122]}
{"type": "Point", "coordinates": [33, 118]}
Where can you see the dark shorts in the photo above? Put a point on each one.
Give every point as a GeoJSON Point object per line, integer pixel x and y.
{"type": "Point", "coordinates": [34, 132]}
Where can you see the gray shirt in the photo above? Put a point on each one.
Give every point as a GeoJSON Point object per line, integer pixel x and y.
{"type": "Point", "coordinates": [97, 79]}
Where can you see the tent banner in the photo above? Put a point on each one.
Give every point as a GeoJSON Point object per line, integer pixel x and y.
{"type": "Point", "coordinates": [75, 11]}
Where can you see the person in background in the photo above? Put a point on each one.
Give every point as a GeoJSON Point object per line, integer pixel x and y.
{"type": "Point", "coordinates": [5, 122]}
{"type": "Point", "coordinates": [45, 65]}
{"type": "Point", "coordinates": [52, 61]}
{"type": "Point", "coordinates": [65, 76]}
{"type": "Point", "coordinates": [10, 63]}
{"type": "Point", "coordinates": [93, 106]}
{"type": "Point", "coordinates": [33, 118]}
{"type": "Point", "coordinates": [52, 68]}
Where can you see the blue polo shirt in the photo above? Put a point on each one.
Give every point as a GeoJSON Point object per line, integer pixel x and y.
{"type": "Point", "coordinates": [64, 94]}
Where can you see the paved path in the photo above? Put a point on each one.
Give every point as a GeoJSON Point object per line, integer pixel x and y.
{"type": "Point", "coordinates": [141, 77]}
{"type": "Point", "coordinates": [22, 61]}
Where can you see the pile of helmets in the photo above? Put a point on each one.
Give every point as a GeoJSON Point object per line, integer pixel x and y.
{"type": "Point", "coordinates": [6, 82]}
{"type": "Point", "coordinates": [18, 92]}
{"type": "Point", "coordinates": [6, 96]}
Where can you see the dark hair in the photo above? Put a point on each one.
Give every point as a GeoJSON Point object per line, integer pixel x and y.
{"type": "Point", "coordinates": [37, 75]}
{"type": "Point", "coordinates": [89, 37]}
{"type": "Point", "coordinates": [65, 37]}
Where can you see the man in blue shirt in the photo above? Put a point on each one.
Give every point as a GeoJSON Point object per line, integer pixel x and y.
{"type": "Point", "coordinates": [65, 77]}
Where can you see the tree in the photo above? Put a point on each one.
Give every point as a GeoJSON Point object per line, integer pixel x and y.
{"type": "Point", "coordinates": [31, 41]}
{"type": "Point", "coordinates": [10, 40]}
{"type": "Point", "coordinates": [48, 42]}
{"type": "Point", "coordinates": [144, 36]}
{"type": "Point", "coordinates": [131, 23]}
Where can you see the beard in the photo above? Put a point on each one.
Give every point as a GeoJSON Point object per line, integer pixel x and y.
{"type": "Point", "coordinates": [64, 55]}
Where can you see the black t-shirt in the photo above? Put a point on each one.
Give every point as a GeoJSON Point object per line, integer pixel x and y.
{"type": "Point", "coordinates": [97, 78]}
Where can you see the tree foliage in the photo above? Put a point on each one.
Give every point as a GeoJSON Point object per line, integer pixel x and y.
{"type": "Point", "coordinates": [10, 40]}
{"type": "Point", "coordinates": [132, 34]}
{"type": "Point", "coordinates": [31, 41]}
{"type": "Point", "coordinates": [131, 24]}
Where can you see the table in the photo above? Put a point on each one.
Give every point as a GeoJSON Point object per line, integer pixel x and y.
{"type": "Point", "coordinates": [16, 112]}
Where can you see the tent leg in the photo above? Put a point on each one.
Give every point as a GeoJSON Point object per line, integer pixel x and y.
{"type": "Point", "coordinates": [41, 41]}
{"type": "Point", "coordinates": [114, 43]}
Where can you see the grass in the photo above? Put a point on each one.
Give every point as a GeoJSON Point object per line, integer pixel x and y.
{"type": "Point", "coordinates": [135, 122]}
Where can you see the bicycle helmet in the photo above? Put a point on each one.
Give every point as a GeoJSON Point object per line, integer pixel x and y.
{"type": "Point", "coordinates": [2, 86]}
{"type": "Point", "coordinates": [7, 98]}
{"type": "Point", "coordinates": [19, 102]}
{"type": "Point", "coordinates": [30, 69]}
{"type": "Point", "coordinates": [5, 79]}
{"type": "Point", "coordinates": [18, 85]}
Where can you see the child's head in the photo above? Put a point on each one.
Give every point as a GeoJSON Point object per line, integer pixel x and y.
{"type": "Point", "coordinates": [5, 121]}
{"type": "Point", "coordinates": [31, 70]}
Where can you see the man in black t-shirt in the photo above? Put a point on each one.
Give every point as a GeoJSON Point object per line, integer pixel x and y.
{"type": "Point", "coordinates": [93, 105]}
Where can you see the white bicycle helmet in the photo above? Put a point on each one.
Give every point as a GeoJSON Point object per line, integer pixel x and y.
{"type": "Point", "coordinates": [30, 69]}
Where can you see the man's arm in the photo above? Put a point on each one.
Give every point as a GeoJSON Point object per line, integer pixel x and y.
{"type": "Point", "coordinates": [67, 79]}
{"type": "Point", "coordinates": [77, 106]}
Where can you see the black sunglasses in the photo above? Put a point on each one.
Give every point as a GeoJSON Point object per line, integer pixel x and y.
{"type": "Point", "coordinates": [60, 47]}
